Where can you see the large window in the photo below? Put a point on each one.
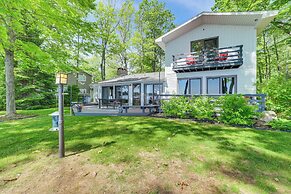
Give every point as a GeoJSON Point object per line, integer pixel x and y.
{"type": "Point", "coordinates": [121, 93]}
{"type": "Point", "coordinates": [213, 86]}
{"type": "Point", "coordinates": [136, 94]}
{"type": "Point", "coordinates": [152, 92]}
{"type": "Point", "coordinates": [107, 92]}
{"type": "Point", "coordinates": [199, 45]}
{"type": "Point", "coordinates": [221, 85]}
{"type": "Point", "coordinates": [228, 85]}
{"type": "Point", "coordinates": [189, 86]}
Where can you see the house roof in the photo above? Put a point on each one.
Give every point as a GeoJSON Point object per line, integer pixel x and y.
{"type": "Point", "coordinates": [136, 78]}
{"type": "Point", "coordinates": [259, 20]}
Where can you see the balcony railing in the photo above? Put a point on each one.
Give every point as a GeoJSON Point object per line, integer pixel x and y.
{"type": "Point", "coordinates": [205, 60]}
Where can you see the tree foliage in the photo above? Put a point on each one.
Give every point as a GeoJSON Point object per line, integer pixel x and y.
{"type": "Point", "coordinates": [273, 49]}
{"type": "Point", "coordinates": [152, 21]}
{"type": "Point", "coordinates": [37, 35]}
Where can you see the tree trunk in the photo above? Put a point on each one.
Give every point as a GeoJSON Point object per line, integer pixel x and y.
{"type": "Point", "coordinates": [277, 54]}
{"type": "Point", "coordinates": [266, 56]}
{"type": "Point", "coordinates": [10, 83]}
{"type": "Point", "coordinates": [260, 74]}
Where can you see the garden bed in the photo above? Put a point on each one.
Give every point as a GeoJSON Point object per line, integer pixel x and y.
{"type": "Point", "coordinates": [16, 117]}
{"type": "Point", "coordinates": [208, 121]}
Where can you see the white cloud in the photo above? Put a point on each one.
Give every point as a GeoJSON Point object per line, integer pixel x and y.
{"type": "Point", "coordinates": [197, 5]}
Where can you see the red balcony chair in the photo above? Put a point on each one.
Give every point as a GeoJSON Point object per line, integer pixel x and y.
{"type": "Point", "coordinates": [190, 60]}
{"type": "Point", "coordinates": [222, 56]}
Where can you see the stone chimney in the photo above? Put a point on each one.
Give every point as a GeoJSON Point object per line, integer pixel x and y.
{"type": "Point", "coordinates": [121, 72]}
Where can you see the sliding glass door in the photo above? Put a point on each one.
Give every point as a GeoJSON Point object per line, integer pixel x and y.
{"type": "Point", "coordinates": [152, 92]}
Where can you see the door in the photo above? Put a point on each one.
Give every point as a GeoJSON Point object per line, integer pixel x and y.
{"type": "Point", "coordinates": [136, 96]}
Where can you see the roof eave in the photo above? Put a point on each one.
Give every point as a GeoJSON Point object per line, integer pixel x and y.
{"type": "Point", "coordinates": [267, 17]}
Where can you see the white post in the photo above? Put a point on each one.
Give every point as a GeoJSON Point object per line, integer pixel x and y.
{"type": "Point", "coordinates": [130, 95]}
{"type": "Point", "coordinates": [142, 94]}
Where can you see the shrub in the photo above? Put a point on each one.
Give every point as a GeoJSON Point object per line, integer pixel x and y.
{"type": "Point", "coordinates": [201, 108]}
{"type": "Point", "coordinates": [278, 92]}
{"type": "Point", "coordinates": [176, 107]}
{"type": "Point", "coordinates": [236, 110]}
{"type": "Point", "coordinates": [281, 124]}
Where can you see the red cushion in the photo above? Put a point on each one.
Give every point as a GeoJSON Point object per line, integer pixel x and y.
{"type": "Point", "coordinates": [223, 56]}
{"type": "Point", "coordinates": [190, 61]}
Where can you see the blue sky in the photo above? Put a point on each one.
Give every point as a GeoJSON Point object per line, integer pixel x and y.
{"type": "Point", "coordinates": [186, 9]}
{"type": "Point", "coordinates": [183, 10]}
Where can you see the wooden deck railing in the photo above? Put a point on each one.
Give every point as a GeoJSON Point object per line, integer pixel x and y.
{"type": "Point", "coordinates": [220, 58]}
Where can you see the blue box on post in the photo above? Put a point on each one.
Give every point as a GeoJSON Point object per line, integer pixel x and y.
{"type": "Point", "coordinates": [55, 121]}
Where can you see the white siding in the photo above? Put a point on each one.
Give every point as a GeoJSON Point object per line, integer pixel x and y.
{"type": "Point", "coordinates": [227, 36]}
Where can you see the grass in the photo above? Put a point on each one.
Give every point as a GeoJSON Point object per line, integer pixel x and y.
{"type": "Point", "coordinates": [241, 159]}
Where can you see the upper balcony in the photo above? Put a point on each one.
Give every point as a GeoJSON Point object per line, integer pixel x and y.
{"type": "Point", "coordinates": [205, 60]}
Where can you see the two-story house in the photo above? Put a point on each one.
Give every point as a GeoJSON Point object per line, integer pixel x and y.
{"type": "Point", "coordinates": [212, 53]}
{"type": "Point", "coordinates": [83, 80]}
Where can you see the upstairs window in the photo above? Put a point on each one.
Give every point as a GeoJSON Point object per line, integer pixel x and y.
{"type": "Point", "coordinates": [199, 45]}
{"type": "Point", "coordinates": [81, 78]}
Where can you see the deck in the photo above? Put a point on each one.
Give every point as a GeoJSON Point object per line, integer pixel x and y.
{"type": "Point", "coordinates": [206, 60]}
{"type": "Point", "coordinates": [94, 110]}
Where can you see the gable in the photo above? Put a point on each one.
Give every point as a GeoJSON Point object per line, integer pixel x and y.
{"type": "Point", "coordinates": [257, 19]}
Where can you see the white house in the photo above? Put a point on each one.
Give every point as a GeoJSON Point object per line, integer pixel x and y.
{"type": "Point", "coordinates": [212, 53]}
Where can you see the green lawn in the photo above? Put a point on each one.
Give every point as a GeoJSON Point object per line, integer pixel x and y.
{"type": "Point", "coordinates": [238, 159]}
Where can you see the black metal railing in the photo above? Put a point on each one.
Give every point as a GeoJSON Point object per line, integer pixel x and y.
{"type": "Point", "coordinates": [253, 99]}
{"type": "Point", "coordinates": [212, 59]}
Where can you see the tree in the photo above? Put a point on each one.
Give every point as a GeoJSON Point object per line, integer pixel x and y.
{"type": "Point", "coordinates": [152, 21]}
{"type": "Point", "coordinates": [105, 25]}
{"type": "Point", "coordinates": [125, 31]}
{"type": "Point", "coordinates": [56, 21]}
{"type": "Point", "coordinates": [273, 49]}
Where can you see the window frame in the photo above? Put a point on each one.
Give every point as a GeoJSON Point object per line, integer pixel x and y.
{"type": "Point", "coordinates": [189, 81]}
{"type": "Point", "coordinates": [205, 39]}
{"type": "Point", "coordinates": [153, 91]}
{"type": "Point", "coordinates": [122, 99]}
{"type": "Point", "coordinates": [220, 83]}
{"type": "Point", "coordinates": [83, 76]}
{"type": "Point", "coordinates": [83, 91]}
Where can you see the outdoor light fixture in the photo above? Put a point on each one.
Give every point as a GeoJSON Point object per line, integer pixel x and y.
{"type": "Point", "coordinates": [61, 80]}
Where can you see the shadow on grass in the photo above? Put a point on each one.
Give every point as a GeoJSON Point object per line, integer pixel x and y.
{"type": "Point", "coordinates": [84, 147]}
{"type": "Point", "coordinates": [256, 155]}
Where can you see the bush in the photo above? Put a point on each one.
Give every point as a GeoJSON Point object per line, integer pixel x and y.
{"type": "Point", "coordinates": [201, 108]}
{"type": "Point", "coordinates": [236, 110]}
{"type": "Point", "coordinates": [176, 107]}
{"type": "Point", "coordinates": [278, 92]}
{"type": "Point", "coordinates": [183, 107]}
{"type": "Point", "coordinates": [281, 124]}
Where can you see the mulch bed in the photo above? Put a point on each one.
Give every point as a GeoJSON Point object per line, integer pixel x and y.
{"type": "Point", "coordinates": [16, 117]}
{"type": "Point", "coordinates": [255, 126]}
